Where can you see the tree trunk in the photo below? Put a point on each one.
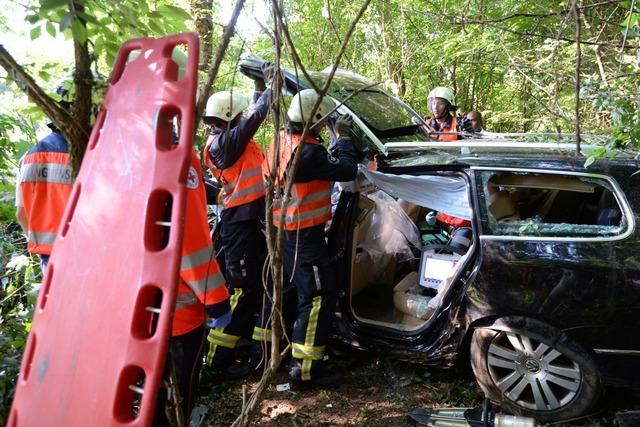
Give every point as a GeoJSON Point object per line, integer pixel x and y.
{"type": "Point", "coordinates": [201, 10]}
{"type": "Point", "coordinates": [74, 133]}
{"type": "Point", "coordinates": [83, 79]}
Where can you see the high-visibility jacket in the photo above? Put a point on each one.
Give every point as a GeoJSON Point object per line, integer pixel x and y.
{"type": "Point", "coordinates": [310, 202]}
{"type": "Point", "coordinates": [452, 221]}
{"type": "Point", "coordinates": [46, 179]}
{"type": "Point", "coordinates": [242, 183]}
{"type": "Point", "coordinates": [201, 282]}
{"type": "Point", "coordinates": [453, 126]}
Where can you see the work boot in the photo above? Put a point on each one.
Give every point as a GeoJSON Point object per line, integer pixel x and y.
{"type": "Point", "coordinates": [225, 364]}
{"type": "Point", "coordinates": [236, 370]}
{"type": "Point", "coordinates": [321, 376]}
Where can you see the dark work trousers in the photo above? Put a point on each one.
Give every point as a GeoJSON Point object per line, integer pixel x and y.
{"type": "Point", "coordinates": [244, 247]}
{"type": "Point", "coordinates": [306, 261]}
{"type": "Point", "coordinates": [185, 352]}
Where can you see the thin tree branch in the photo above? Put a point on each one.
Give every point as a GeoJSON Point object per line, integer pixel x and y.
{"type": "Point", "coordinates": [626, 31]}
{"type": "Point", "coordinates": [62, 119]}
{"type": "Point", "coordinates": [83, 79]}
{"type": "Point", "coordinates": [275, 241]}
{"type": "Point", "coordinates": [294, 52]}
{"type": "Point", "coordinates": [464, 21]}
{"type": "Point", "coordinates": [222, 48]}
{"type": "Point", "coordinates": [559, 113]}
{"type": "Point", "coordinates": [576, 12]}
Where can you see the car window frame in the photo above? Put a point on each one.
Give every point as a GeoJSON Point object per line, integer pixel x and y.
{"type": "Point", "coordinates": [619, 195]}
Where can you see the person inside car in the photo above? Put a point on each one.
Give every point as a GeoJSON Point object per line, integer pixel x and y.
{"type": "Point", "coordinates": [476, 121]}
{"type": "Point", "coordinates": [444, 125]}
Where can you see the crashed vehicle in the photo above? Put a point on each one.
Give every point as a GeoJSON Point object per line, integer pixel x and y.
{"type": "Point", "coordinates": [539, 286]}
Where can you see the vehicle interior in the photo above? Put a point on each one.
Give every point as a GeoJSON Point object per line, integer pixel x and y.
{"type": "Point", "coordinates": [553, 203]}
{"type": "Point", "coordinates": [404, 257]}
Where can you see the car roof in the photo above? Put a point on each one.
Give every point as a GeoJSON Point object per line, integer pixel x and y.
{"type": "Point", "coordinates": [505, 152]}
{"type": "Point", "coordinates": [552, 149]}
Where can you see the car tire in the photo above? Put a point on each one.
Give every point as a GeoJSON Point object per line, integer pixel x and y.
{"type": "Point", "coordinates": [532, 369]}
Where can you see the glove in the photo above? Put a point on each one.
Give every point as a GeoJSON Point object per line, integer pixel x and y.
{"type": "Point", "coordinates": [268, 71]}
{"type": "Point", "coordinates": [220, 322]}
{"type": "Point", "coordinates": [342, 126]}
{"type": "Point", "coordinates": [465, 124]}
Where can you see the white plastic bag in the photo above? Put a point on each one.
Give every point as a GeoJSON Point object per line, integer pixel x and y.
{"type": "Point", "coordinates": [390, 235]}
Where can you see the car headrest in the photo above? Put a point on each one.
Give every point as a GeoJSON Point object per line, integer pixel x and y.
{"type": "Point", "coordinates": [501, 206]}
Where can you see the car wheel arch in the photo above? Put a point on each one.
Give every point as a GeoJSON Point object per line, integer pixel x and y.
{"type": "Point", "coordinates": [591, 380]}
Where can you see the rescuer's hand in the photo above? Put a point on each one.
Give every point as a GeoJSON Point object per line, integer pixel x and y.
{"type": "Point", "coordinates": [465, 124]}
{"type": "Point", "coordinates": [268, 71]}
{"type": "Point", "coordinates": [342, 126]}
{"type": "Point", "coordinates": [221, 321]}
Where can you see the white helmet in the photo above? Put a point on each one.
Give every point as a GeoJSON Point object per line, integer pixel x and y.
{"type": "Point", "coordinates": [302, 104]}
{"type": "Point", "coordinates": [442, 92]}
{"type": "Point", "coordinates": [225, 105]}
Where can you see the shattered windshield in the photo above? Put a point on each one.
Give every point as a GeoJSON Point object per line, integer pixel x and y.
{"type": "Point", "coordinates": [380, 111]}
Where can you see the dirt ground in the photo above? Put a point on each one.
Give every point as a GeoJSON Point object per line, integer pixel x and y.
{"type": "Point", "coordinates": [373, 392]}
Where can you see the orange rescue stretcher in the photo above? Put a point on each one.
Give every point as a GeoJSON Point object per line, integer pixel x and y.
{"type": "Point", "coordinates": [102, 323]}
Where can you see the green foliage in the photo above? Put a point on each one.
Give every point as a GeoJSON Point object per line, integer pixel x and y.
{"type": "Point", "coordinates": [15, 132]}
{"type": "Point", "coordinates": [19, 277]}
{"type": "Point", "coordinates": [106, 25]}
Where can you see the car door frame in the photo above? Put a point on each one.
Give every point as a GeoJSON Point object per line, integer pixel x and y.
{"type": "Point", "coordinates": [439, 340]}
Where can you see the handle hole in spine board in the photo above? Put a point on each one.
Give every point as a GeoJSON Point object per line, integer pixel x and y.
{"type": "Point", "coordinates": [177, 68]}
{"type": "Point", "coordinates": [46, 286]}
{"type": "Point", "coordinates": [28, 356]}
{"type": "Point", "coordinates": [126, 405]}
{"type": "Point", "coordinates": [121, 64]}
{"type": "Point", "coordinates": [97, 129]}
{"type": "Point", "coordinates": [147, 312]}
{"type": "Point", "coordinates": [157, 226]}
{"type": "Point", "coordinates": [73, 202]}
{"type": "Point", "coordinates": [167, 128]}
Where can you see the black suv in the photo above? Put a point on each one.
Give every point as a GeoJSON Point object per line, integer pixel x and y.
{"type": "Point", "coordinates": [511, 255]}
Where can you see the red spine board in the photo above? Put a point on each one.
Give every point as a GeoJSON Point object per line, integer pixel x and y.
{"type": "Point", "coordinates": [97, 348]}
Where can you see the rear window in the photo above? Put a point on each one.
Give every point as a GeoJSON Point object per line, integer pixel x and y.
{"type": "Point", "coordinates": [551, 205]}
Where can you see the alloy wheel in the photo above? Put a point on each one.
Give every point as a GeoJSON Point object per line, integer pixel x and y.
{"type": "Point", "coordinates": [532, 374]}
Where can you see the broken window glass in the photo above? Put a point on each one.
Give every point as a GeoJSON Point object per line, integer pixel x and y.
{"type": "Point", "coordinates": [553, 205]}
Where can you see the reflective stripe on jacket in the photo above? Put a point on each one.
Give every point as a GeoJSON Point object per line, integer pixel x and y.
{"type": "Point", "coordinates": [445, 136]}
{"type": "Point", "coordinates": [242, 182]}
{"type": "Point", "coordinates": [201, 282]}
{"type": "Point", "coordinates": [46, 179]}
{"type": "Point", "coordinates": [310, 202]}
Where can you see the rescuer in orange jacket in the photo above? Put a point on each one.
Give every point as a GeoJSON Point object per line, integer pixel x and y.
{"type": "Point", "coordinates": [44, 184]}
{"type": "Point", "coordinates": [235, 160]}
{"type": "Point", "coordinates": [202, 296]}
{"type": "Point", "coordinates": [306, 257]}
{"type": "Point", "coordinates": [45, 178]}
{"type": "Point", "coordinates": [444, 125]}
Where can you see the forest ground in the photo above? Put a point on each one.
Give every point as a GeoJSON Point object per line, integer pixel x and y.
{"type": "Point", "coordinates": [374, 392]}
